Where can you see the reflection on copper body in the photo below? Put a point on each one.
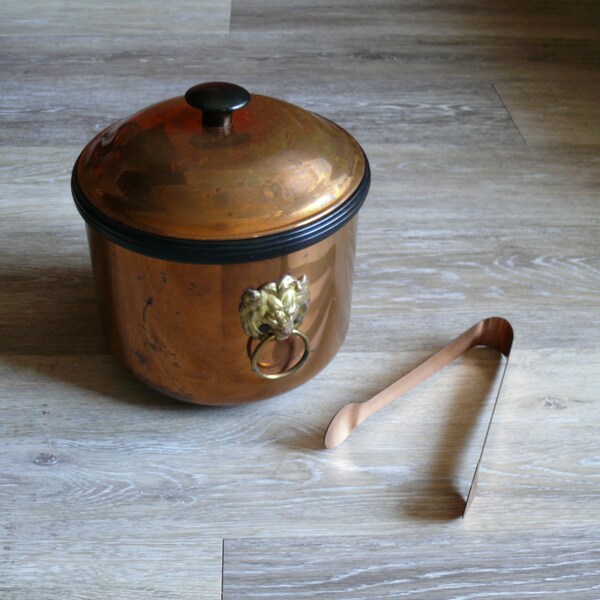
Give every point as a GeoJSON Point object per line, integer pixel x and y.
{"type": "Point", "coordinates": [177, 326]}
{"type": "Point", "coordinates": [494, 332]}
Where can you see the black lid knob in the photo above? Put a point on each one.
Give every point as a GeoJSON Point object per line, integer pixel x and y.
{"type": "Point", "coordinates": [217, 100]}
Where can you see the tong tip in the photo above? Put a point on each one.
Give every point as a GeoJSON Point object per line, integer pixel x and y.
{"type": "Point", "coordinates": [342, 424]}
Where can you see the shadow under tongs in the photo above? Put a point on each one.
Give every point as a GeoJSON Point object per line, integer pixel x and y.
{"type": "Point", "coordinates": [440, 498]}
{"type": "Point", "coordinates": [436, 503]}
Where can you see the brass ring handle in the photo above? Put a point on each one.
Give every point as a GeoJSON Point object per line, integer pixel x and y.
{"type": "Point", "coordinates": [271, 313]}
{"type": "Point", "coordinates": [271, 338]}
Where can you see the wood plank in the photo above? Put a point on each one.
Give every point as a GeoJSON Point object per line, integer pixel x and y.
{"type": "Point", "coordinates": [77, 17]}
{"type": "Point", "coordinates": [123, 561]}
{"type": "Point", "coordinates": [509, 18]}
{"type": "Point", "coordinates": [457, 565]}
{"type": "Point", "coordinates": [407, 111]}
{"type": "Point", "coordinates": [372, 56]}
{"type": "Point", "coordinates": [123, 456]}
{"type": "Point", "coordinates": [449, 235]}
{"type": "Point", "coordinates": [480, 121]}
{"type": "Point", "coordinates": [436, 91]}
{"type": "Point", "coordinates": [555, 112]}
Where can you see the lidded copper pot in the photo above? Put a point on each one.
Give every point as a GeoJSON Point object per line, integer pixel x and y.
{"type": "Point", "coordinates": [222, 233]}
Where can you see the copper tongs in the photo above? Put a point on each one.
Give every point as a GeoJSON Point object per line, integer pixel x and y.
{"type": "Point", "coordinates": [493, 332]}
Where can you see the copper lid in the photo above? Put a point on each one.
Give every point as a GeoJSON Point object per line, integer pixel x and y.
{"type": "Point", "coordinates": [218, 166]}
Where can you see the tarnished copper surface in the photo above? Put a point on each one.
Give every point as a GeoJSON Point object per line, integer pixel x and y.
{"type": "Point", "coordinates": [177, 326]}
{"type": "Point", "coordinates": [276, 167]}
{"type": "Point", "coordinates": [494, 332]}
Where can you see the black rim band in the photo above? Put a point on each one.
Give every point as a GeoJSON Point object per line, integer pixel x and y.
{"type": "Point", "coordinates": [220, 251]}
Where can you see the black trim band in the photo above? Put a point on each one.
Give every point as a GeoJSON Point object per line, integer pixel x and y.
{"type": "Point", "coordinates": [220, 251]}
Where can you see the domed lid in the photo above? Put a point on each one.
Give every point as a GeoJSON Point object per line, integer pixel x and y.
{"type": "Point", "coordinates": [218, 175]}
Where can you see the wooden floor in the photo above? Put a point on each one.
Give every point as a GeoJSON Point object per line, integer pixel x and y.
{"type": "Point", "coordinates": [482, 123]}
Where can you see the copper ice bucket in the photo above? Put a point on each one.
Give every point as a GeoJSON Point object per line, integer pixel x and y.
{"type": "Point", "coordinates": [222, 232]}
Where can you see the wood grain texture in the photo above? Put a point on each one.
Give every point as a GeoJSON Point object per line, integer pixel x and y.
{"type": "Point", "coordinates": [124, 456]}
{"type": "Point", "coordinates": [480, 122]}
{"type": "Point", "coordinates": [450, 234]}
{"type": "Point", "coordinates": [125, 562]}
{"type": "Point", "coordinates": [325, 61]}
{"type": "Point", "coordinates": [456, 565]}
{"type": "Point", "coordinates": [147, 17]}
{"type": "Point", "coordinates": [409, 111]}
{"type": "Point", "coordinates": [555, 112]}
{"type": "Point", "coordinates": [509, 18]}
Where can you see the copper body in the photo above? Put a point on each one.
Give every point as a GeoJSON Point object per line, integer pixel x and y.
{"type": "Point", "coordinates": [177, 326]}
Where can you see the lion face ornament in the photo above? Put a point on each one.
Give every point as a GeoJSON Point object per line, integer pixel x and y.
{"type": "Point", "coordinates": [273, 312]}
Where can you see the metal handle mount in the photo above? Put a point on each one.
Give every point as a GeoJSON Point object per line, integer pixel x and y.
{"type": "Point", "coordinates": [271, 313]}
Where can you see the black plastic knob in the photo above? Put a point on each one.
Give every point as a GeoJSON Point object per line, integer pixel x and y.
{"type": "Point", "coordinates": [217, 100]}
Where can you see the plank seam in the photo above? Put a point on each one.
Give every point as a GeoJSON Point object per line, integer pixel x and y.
{"type": "Point", "coordinates": [509, 114]}
{"type": "Point", "coordinates": [222, 566]}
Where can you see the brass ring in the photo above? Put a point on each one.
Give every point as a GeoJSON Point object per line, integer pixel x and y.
{"type": "Point", "coordinates": [292, 370]}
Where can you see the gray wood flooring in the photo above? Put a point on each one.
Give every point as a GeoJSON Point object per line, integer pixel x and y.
{"type": "Point", "coordinates": [482, 124]}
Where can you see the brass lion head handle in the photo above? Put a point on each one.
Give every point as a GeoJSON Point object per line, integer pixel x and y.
{"type": "Point", "coordinates": [273, 312]}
